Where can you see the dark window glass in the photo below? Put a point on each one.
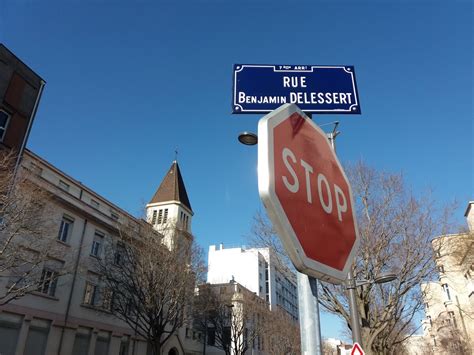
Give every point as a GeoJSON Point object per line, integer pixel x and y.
{"type": "Point", "coordinates": [65, 229]}
{"type": "Point", "coordinates": [3, 119]}
{"type": "Point", "coordinates": [48, 282]}
{"type": "Point", "coordinates": [36, 341]}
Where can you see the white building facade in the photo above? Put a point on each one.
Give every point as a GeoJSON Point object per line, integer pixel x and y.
{"type": "Point", "coordinates": [449, 302]}
{"type": "Point", "coordinates": [258, 270]}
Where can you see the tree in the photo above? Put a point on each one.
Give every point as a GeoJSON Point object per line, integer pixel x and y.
{"type": "Point", "coordinates": [233, 317]}
{"type": "Point", "coordinates": [149, 285]}
{"type": "Point", "coordinates": [26, 244]}
{"type": "Point", "coordinates": [281, 334]}
{"type": "Point", "coordinates": [450, 338]}
{"type": "Point", "coordinates": [212, 316]}
{"type": "Point", "coordinates": [396, 228]}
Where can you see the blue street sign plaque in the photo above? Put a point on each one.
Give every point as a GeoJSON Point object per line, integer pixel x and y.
{"type": "Point", "coordinates": [314, 88]}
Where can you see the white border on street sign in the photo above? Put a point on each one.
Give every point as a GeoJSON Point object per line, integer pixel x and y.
{"type": "Point", "coordinates": [266, 188]}
{"type": "Point", "coordinates": [275, 70]}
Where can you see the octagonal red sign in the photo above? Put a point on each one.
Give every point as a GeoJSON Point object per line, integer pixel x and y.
{"type": "Point", "coordinates": [306, 193]}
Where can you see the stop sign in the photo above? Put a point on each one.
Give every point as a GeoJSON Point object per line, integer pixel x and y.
{"type": "Point", "coordinates": [306, 194]}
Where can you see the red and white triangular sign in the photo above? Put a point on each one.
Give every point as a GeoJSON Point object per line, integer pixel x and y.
{"type": "Point", "coordinates": [357, 350]}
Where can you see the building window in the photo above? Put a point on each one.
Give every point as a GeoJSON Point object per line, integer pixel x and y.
{"type": "Point", "coordinates": [48, 282]}
{"type": "Point", "coordinates": [4, 118]}
{"type": "Point", "coordinates": [107, 298]}
{"type": "Point", "coordinates": [37, 337]}
{"type": "Point", "coordinates": [441, 269]}
{"type": "Point", "coordinates": [63, 185]}
{"type": "Point", "coordinates": [124, 345]}
{"type": "Point", "coordinates": [65, 229]}
{"type": "Point", "coordinates": [165, 216]}
{"type": "Point", "coordinates": [211, 336]}
{"type": "Point", "coordinates": [102, 343]}
{"type": "Point", "coordinates": [82, 341]}
{"type": "Point", "coordinates": [119, 254]}
{"type": "Point", "coordinates": [90, 294]}
{"type": "Point", "coordinates": [97, 244]}
{"type": "Point", "coordinates": [160, 216]}
{"type": "Point", "coordinates": [10, 325]}
{"type": "Point", "coordinates": [446, 291]}
{"type": "Point", "coordinates": [114, 215]}
{"type": "Point", "coordinates": [153, 219]}
{"type": "Point", "coordinates": [95, 204]}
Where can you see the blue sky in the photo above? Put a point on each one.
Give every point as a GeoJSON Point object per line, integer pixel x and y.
{"type": "Point", "coordinates": [129, 83]}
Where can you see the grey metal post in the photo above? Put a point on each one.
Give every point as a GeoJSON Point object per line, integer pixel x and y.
{"type": "Point", "coordinates": [355, 325]}
{"type": "Point", "coordinates": [308, 308]}
{"type": "Point", "coordinates": [309, 315]}
{"type": "Point", "coordinates": [355, 319]}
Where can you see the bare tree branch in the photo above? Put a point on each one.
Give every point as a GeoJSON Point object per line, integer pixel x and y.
{"type": "Point", "coordinates": [396, 228]}
{"type": "Point", "coordinates": [150, 284]}
{"type": "Point", "coordinates": [27, 243]}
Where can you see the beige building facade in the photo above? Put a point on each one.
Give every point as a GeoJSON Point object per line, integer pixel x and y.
{"type": "Point", "coordinates": [449, 302]}
{"type": "Point", "coordinates": [68, 315]}
{"type": "Point", "coordinates": [260, 271]}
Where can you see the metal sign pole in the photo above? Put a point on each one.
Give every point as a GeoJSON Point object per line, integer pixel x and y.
{"type": "Point", "coordinates": [284, 138]}
{"type": "Point", "coordinates": [308, 305]}
{"type": "Point", "coordinates": [355, 325]}
{"type": "Point", "coordinates": [310, 328]}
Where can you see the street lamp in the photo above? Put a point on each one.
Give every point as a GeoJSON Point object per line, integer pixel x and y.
{"type": "Point", "coordinates": [385, 277]}
{"type": "Point", "coordinates": [379, 279]}
{"type": "Point", "coordinates": [351, 285]}
{"type": "Point", "coordinates": [248, 138]}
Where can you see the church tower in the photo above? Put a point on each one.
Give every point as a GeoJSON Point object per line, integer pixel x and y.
{"type": "Point", "coordinates": [169, 210]}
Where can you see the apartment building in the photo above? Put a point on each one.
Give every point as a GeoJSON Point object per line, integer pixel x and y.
{"type": "Point", "coordinates": [449, 301]}
{"type": "Point", "coordinates": [234, 319]}
{"type": "Point", "coordinates": [257, 269]}
{"type": "Point", "coordinates": [69, 315]}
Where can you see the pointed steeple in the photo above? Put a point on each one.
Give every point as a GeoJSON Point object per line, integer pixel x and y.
{"type": "Point", "coordinates": [172, 188]}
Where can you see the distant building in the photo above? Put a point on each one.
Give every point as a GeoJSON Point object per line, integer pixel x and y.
{"type": "Point", "coordinates": [233, 293]}
{"type": "Point", "coordinates": [258, 270]}
{"type": "Point", "coordinates": [449, 302]}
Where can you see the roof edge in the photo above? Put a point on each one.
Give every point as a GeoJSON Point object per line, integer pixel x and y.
{"type": "Point", "coordinates": [468, 208]}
